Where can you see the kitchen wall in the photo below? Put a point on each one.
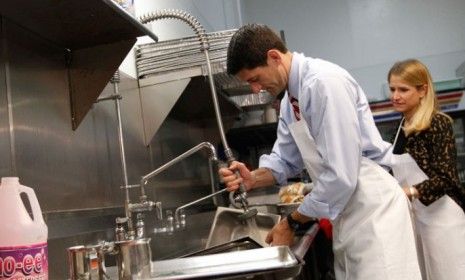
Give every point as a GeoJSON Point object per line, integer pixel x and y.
{"type": "Point", "coordinates": [81, 169]}
{"type": "Point", "coordinates": [367, 36]}
{"type": "Point", "coordinates": [40, 146]}
{"type": "Point", "coordinates": [5, 151]}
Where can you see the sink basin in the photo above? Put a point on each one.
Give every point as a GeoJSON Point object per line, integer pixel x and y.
{"type": "Point", "coordinates": [227, 226]}
{"type": "Point", "coordinates": [281, 209]}
{"type": "Point", "coordinates": [241, 244]}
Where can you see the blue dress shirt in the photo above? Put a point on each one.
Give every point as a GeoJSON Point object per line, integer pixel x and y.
{"type": "Point", "coordinates": [339, 118]}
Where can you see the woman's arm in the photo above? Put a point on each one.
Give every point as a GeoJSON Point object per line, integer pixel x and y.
{"type": "Point", "coordinates": [441, 166]}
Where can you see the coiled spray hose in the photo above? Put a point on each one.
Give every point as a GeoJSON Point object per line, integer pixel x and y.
{"type": "Point", "coordinates": [239, 198]}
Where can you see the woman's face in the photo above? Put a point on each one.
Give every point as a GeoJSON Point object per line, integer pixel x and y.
{"type": "Point", "coordinates": [404, 97]}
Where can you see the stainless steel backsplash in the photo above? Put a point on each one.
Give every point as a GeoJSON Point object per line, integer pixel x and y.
{"type": "Point", "coordinates": [81, 169]}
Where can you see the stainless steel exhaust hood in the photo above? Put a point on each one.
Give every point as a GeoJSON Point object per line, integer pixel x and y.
{"type": "Point", "coordinates": [172, 74]}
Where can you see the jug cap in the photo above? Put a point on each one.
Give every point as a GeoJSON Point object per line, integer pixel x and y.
{"type": "Point", "coordinates": [10, 180]}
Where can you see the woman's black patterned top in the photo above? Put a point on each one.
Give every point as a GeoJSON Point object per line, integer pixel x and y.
{"type": "Point", "coordinates": [434, 151]}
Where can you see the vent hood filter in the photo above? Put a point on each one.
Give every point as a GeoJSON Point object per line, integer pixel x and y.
{"type": "Point", "coordinates": [166, 69]}
{"type": "Point", "coordinates": [182, 56]}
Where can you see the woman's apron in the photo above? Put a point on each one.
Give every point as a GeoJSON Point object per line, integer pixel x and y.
{"type": "Point", "coordinates": [373, 236]}
{"type": "Point", "coordinates": [440, 232]}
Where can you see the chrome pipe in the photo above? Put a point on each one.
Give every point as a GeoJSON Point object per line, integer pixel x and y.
{"type": "Point", "coordinates": [180, 15]}
{"type": "Point", "coordinates": [216, 106]}
{"type": "Point", "coordinates": [111, 97]}
{"type": "Point", "coordinates": [123, 166]}
{"type": "Point", "coordinates": [203, 145]}
{"type": "Point", "coordinates": [121, 143]}
{"type": "Point", "coordinates": [117, 97]}
{"type": "Point", "coordinates": [212, 180]}
{"type": "Point", "coordinates": [176, 212]}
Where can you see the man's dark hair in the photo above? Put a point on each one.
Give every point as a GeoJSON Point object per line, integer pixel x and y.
{"type": "Point", "coordinates": [249, 46]}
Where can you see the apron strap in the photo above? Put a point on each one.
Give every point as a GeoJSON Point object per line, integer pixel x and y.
{"type": "Point", "coordinates": [325, 224]}
{"type": "Point", "coordinates": [398, 131]}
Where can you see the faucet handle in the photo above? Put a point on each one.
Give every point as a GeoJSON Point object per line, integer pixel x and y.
{"type": "Point", "coordinates": [121, 220]}
{"type": "Point", "coordinates": [120, 230]}
{"type": "Point", "coordinates": [159, 210]}
{"type": "Point", "coordinates": [180, 218]}
{"type": "Point", "coordinates": [140, 226]}
{"type": "Point", "coordinates": [169, 222]}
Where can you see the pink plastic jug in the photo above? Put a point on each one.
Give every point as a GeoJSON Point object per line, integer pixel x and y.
{"type": "Point", "coordinates": [23, 240]}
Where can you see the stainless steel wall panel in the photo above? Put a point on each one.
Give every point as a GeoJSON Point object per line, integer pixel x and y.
{"type": "Point", "coordinates": [81, 169]}
{"type": "Point", "coordinates": [5, 148]}
{"type": "Point", "coordinates": [68, 169]}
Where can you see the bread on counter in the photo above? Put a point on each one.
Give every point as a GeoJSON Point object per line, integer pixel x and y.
{"type": "Point", "coordinates": [294, 193]}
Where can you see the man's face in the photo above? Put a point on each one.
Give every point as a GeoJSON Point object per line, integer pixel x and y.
{"type": "Point", "coordinates": [271, 77]}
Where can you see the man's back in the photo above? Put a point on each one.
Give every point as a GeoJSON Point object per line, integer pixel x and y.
{"type": "Point", "coordinates": [319, 71]}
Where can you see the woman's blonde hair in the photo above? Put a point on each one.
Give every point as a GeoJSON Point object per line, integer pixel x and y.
{"type": "Point", "coordinates": [416, 74]}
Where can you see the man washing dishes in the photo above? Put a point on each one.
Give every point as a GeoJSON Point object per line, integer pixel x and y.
{"type": "Point", "coordinates": [326, 126]}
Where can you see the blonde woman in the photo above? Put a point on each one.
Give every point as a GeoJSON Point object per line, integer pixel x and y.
{"type": "Point", "coordinates": [427, 135]}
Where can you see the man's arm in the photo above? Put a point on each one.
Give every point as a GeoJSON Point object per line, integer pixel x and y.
{"type": "Point", "coordinates": [263, 177]}
{"type": "Point", "coordinates": [260, 177]}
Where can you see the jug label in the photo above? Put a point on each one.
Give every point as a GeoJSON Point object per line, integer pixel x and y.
{"type": "Point", "coordinates": [24, 262]}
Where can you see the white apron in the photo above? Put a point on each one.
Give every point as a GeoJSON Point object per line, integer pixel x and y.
{"type": "Point", "coordinates": [373, 237]}
{"type": "Point", "coordinates": [440, 231]}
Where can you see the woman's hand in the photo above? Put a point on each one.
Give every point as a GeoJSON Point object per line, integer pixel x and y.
{"type": "Point", "coordinates": [232, 181]}
{"type": "Point", "coordinates": [410, 192]}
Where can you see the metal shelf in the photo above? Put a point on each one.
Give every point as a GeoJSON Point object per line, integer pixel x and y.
{"type": "Point", "coordinates": [94, 36]}
{"type": "Point", "coordinates": [75, 24]}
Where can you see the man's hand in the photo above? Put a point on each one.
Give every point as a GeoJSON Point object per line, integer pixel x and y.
{"type": "Point", "coordinates": [280, 234]}
{"type": "Point", "coordinates": [232, 182]}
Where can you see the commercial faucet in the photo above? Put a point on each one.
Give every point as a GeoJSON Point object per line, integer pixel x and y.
{"type": "Point", "coordinates": [147, 205]}
{"type": "Point", "coordinates": [238, 198]}
{"type": "Point", "coordinates": [179, 217]}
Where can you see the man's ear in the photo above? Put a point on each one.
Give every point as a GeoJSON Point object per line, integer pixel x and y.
{"type": "Point", "coordinates": [274, 55]}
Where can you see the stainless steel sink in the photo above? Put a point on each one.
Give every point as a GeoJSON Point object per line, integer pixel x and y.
{"type": "Point", "coordinates": [281, 209]}
{"type": "Point", "coordinates": [227, 226]}
{"type": "Point", "coordinates": [241, 244]}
